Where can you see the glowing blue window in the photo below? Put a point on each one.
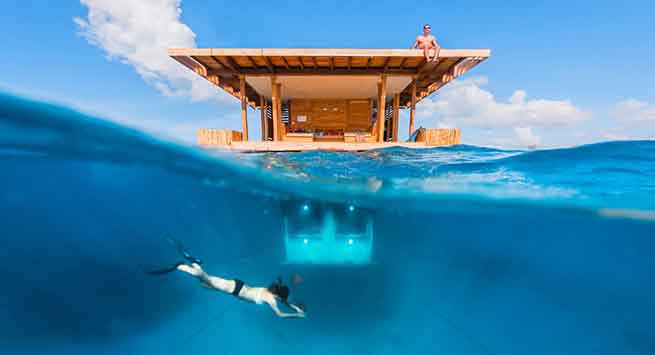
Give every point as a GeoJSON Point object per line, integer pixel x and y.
{"type": "Point", "coordinates": [325, 234]}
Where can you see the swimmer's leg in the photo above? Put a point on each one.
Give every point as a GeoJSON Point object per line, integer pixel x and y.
{"type": "Point", "coordinates": [220, 284]}
{"type": "Point", "coordinates": [194, 270]}
{"type": "Point", "coordinates": [207, 280]}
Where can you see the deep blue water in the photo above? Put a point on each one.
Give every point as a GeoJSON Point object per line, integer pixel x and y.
{"type": "Point", "coordinates": [476, 250]}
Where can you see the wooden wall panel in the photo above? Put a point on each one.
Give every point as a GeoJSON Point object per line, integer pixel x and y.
{"type": "Point", "coordinates": [328, 114]}
{"type": "Point", "coordinates": [360, 115]}
{"type": "Point", "coordinates": [322, 114]}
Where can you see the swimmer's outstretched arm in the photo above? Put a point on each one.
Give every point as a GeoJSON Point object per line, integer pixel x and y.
{"type": "Point", "coordinates": [298, 309]}
{"type": "Point", "coordinates": [299, 314]}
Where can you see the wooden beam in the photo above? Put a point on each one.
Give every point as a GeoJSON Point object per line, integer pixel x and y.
{"type": "Point", "coordinates": [368, 62]}
{"type": "Point", "coordinates": [264, 124]}
{"type": "Point", "coordinates": [350, 61]}
{"type": "Point", "coordinates": [428, 67]}
{"type": "Point", "coordinates": [314, 64]}
{"type": "Point", "coordinates": [424, 64]}
{"type": "Point", "coordinates": [402, 63]}
{"type": "Point", "coordinates": [244, 106]}
{"type": "Point", "coordinates": [229, 90]}
{"type": "Point", "coordinates": [331, 63]}
{"type": "Point", "coordinates": [302, 65]}
{"type": "Point", "coordinates": [275, 105]}
{"type": "Point", "coordinates": [214, 79]}
{"type": "Point", "coordinates": [382, 98]}
{"type": "Point", "coordinates": [286, 64]}
{"type": "Point", "coordinates": [201, 68]}
{"type": "Point", "coordinates": [216, 61]}
{"type": "Point", "coordinates": [436, 86]}
{"type": "Point", "coordinates": [463, 66]}
{"type": "Point", "coordinates": [412, 107]}
{"type": "Point", "coordinates": [395, 117]}
{"type": "Point", "coordinates": [386, 63]}
{"type": "Point", "coordinates": [252, 62]}
{"type": "Point", "coordinates": [338, 52]}
{"type": "Point", "coordinates": [269, 64]}
{"type": "Point", "coordinates": [192, 64]}
{"type": "Point", "coordinates": [232, 85]}
{"type": "Point", "coordinates": [231, 64]}
{"type": "Point", "coordinates": [320, 71]}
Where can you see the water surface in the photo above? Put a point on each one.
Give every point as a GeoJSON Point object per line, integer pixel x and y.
{"type": "Point", "coordinates": [476, 250]}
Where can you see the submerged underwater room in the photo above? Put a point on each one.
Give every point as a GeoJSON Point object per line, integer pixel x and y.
{"type": "Point", "coordinates": [487, 252]}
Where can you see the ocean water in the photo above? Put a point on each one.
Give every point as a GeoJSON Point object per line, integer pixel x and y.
{"type": "Point", "coordinates": [474, 250]}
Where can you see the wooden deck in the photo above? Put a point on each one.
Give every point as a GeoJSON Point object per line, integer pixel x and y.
{"type": "Point", "coordinates": [260, 147]}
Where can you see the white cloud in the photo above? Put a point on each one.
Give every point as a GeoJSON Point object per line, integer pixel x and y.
{"type": "Point", "coordinates": [526, 136]}
{"type": "Point", "coordinates": [138, 33]}
{"type": "Point", "coordinates": [634, 111]}
{"type": "Point", "coordinates": [465, 103]}
{"type": "Point", "coordinates": [613, 136]}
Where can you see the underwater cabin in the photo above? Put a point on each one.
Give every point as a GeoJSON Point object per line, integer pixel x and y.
{"type": "Point", "coordinates": [328, 99]}
{"type": "Point", "coordinates": [327, 234]}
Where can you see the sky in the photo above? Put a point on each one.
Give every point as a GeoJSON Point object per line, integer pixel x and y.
{"type": "Point", "coordinates": [561, 73]}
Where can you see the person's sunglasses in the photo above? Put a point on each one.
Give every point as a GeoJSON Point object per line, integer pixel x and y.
{"type": "Point", "coordinates": [426, 28]}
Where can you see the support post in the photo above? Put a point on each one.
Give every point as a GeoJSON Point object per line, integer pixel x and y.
{"type": "Point", "coordinates": [395, 117]}
{"type": "Point", "coordinates": [244, 106]}
{"type": "Point", "coordinates": [280, 125]}
{"type": "Point", "coordinates": [374, 128]}
{"type": "Point", "coordinates": [262, 108]}
{"type": "Point", "coordinates": [275, 104]}
{"type": "Point", "coordinates": [388, 123]}
{"type": "Point", "coordinates": [382, 98]}
{"type": "Point", "coordinates": [412, 109]}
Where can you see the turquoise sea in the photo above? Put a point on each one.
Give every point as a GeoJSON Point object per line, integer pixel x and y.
{"type": "Point", "coordinates": [473, 250]}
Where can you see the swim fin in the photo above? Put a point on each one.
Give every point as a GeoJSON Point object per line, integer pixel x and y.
{"type": "Point", "coordinates": [180, 250]}
{"type": "Point", "coordinates": [164, 270]}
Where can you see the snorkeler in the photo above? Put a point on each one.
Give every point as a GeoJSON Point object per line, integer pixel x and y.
{"type": "Point", "coordinates": [269, 295]}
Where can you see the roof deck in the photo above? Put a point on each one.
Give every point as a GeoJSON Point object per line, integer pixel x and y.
{"type": "Point", "coordinates": [223, 66]}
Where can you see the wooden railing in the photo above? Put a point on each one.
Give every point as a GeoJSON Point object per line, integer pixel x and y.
{"type": "Point", "coordinates": [439, 136]}
{"type": "Point", "coordinates": [218, 137]}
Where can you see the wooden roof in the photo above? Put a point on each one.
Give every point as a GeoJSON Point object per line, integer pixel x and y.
{"type": "Point", "coordinates": [223, 66]}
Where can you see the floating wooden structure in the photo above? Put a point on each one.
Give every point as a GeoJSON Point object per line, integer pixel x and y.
{"type": "Point", "coordinates": [335, 99]}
